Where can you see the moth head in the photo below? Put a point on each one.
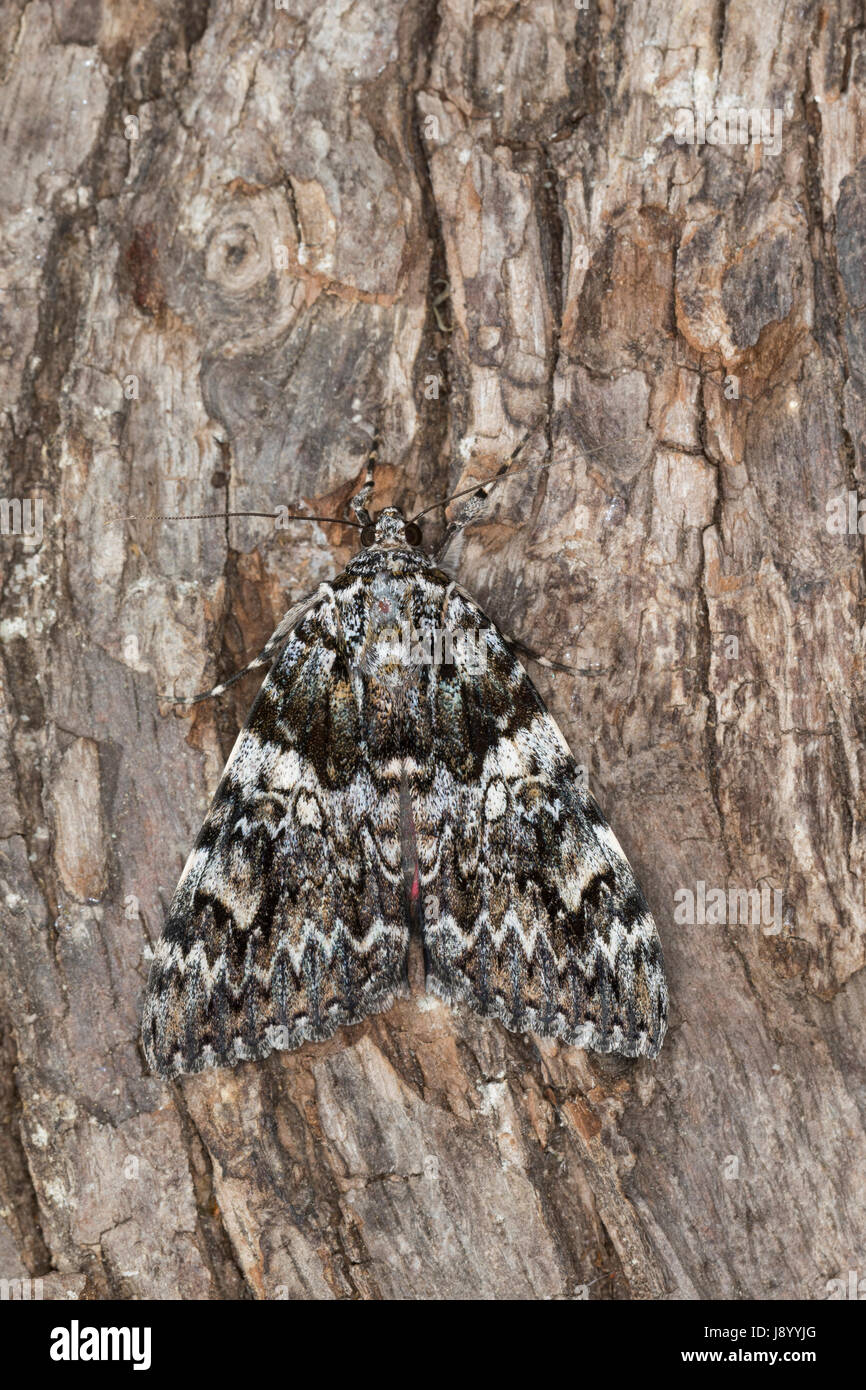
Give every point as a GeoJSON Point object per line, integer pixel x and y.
{"type": "Point", "coordinates": [390, 528]}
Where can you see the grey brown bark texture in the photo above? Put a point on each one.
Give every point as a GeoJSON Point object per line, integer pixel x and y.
{"type": "Point", "coordinates": [235, 239]}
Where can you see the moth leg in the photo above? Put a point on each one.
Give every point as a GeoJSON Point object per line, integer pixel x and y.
{"type": "Point", "coordinates": [265, 657]}
{"type": "Point", "coordinates": [474, 506]}
{"type": "Point", "coordinates": [360, 500]}
{"type": "Point", "coordinates": [520, 648]}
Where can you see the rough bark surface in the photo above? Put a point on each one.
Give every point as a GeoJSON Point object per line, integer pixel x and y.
{"type": "Point", "coordinates": [236, 238]}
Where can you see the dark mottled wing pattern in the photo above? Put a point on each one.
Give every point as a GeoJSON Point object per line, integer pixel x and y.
{"type": "Point", "coordinates": [289, 918]}
{"type": "Point", "coordinates": [375, 785]}
{"type": "Point", "coordinates": [532, 914]}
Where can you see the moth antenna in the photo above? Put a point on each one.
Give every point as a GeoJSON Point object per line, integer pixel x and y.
{"type": "Point", "coordinates": [480, 489]}
{"type": "Point", "coordinates": [221, 516]}
{"type": "Point", "coordinates": [360, 500]}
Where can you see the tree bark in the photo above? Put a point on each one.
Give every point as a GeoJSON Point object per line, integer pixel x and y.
{"type": "Point", "coordinates": [236, 240]}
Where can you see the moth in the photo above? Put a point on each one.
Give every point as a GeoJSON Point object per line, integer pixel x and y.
{"type": "Point", "coordinates": [399, 773]}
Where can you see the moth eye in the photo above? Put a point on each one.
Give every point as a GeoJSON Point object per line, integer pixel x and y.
{"type": "Point", "coordinates": [368, 535]}
{"type": "Point", "coordinates": [413, 534]}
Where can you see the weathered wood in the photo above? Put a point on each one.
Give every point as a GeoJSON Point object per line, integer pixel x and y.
{"type": "Point", "coordinates": [237, 238]}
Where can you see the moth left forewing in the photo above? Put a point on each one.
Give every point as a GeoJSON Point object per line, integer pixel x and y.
{"type": "Point", "coordinates": [531, 911]}
{"type": "Point", "coordinates": [288, 920]}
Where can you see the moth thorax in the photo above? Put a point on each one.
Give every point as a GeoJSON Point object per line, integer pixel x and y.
{"type": "Point", "coordinates": [389, 601]}
{"type": "Point", "coordinates": [384, 647]}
